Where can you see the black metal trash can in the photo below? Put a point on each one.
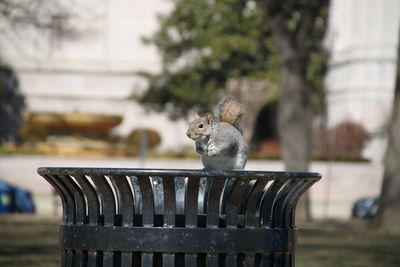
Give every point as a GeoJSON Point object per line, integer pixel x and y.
{"type": "Point", "coordinates": [148, 217]}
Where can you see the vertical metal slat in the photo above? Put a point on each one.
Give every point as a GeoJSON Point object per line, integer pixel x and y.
{"type": "Point", "coordinates": [268, 201]}
{"type": "Point", "coordinates": [280, 203]}
{"type": "Point", "coordinates": [213, 202]}
{"type": "Point", "coordinates": [212, 260]}
{"type": "Point", "coordinates": [291, 210]}
{"type": "Point", "coordinates": [252, 208]}
{"type": "Point", "coordinates": [79, 258]}
{"type": "Point", "coordinates": [231, 260]}
{"type": "Point", "coordinates": [69, 258]}
{"type": "Point", "coordinates": [191, 197]}
{"type": "Point", "coordinates": [233, 201]}
{"type": "Point", "coordinates": [70, 201]}
{"type": "Point", "coordinates": [107, 198]}
{"type": "Point", "coordinates": [267, 260]}
{"type": "Point", "coordinates": [249, 260]}
{"type": "Point", "coordinates": [147, 259]}
{"type": "Point", "coordinates": [108, 258]}
{"type": "Point", "coordinates": [63, 258]}
{"type": "Point", "coordinates": [124, 197]}
{"type": "Point", "coordinates": [190, 260]}
{"type": "Point", "coordinates": [79, 199]}
{"type": "Point", "coordinates": [64, 200]}
{"type": "Point", "coordinates": [126, 259]}
{"type": "Point", "coordinates": [93, 204]}
{"type": "Point", "coordinates": [169, 201]}
{"type": "Point", "coordinates": [147, 199]}
{"type": "Point", "coordinates": [93, 259]}
{"type": "Point", "coordinates": [168, 260]}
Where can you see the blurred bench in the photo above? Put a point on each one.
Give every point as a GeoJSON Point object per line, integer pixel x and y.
{"type": "Point", "coordinates": [149, 217]}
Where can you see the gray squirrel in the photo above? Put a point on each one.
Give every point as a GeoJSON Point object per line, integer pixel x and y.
{"type": "Point", "coordinates": [219, 141]}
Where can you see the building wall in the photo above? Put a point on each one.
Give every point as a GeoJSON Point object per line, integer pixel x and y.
{"type": "Point", "coordinates": [362, 39]}
{"type": "Point", "coordinates": [95, 73]}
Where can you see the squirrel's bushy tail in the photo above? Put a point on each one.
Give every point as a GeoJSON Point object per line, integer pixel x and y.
{"type": "Point", "coordinates": [229, 110]}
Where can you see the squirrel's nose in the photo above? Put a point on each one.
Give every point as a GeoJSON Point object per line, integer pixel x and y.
{"type": "Point", "coordinates": [188, 133]}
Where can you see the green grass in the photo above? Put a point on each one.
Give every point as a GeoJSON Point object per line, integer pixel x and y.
{"type": "Point", "coordinates": [346, 245]}
{"type": "Point", "coordinates": [28, 241]}
{"type": "Point", "coordinates": [25, 243]}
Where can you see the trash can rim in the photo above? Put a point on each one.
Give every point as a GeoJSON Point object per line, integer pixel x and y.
{"type": "Point", "coordinates": [177, 172]}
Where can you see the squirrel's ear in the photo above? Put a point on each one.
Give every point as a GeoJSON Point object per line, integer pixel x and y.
{"type": "Point", "coordinates": [209, 117]}
{"type": "Point", "coordinates": [196, 116]}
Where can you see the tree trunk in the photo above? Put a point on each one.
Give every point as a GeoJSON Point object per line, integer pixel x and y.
{"type": "Point", "coordinates": [388, 215]}
{"type": "Point", "coordinates": [295, 47]}
{"type": "Point", "coordinates": [295, 113]}
{"type": "Point", "coordinates": [295, 117]}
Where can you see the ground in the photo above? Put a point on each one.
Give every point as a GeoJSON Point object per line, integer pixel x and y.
{"type": "Point", "coordinates": [345, 244]}
{"type": "Point", "coordinates": [31, 241]}
{"type": "Point", "coordinates": [28, 241]}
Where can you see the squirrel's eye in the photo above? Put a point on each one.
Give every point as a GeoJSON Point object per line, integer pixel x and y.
{"type": "Point", "coordinates": [201, 126]}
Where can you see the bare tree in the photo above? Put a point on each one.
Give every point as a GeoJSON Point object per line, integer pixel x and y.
{"type": "Point", "coordinates": [52, 17]}
{"type": "Point", "coordinates": [11, 105]}
{"type": "Point", "coordinates": [388, 215]}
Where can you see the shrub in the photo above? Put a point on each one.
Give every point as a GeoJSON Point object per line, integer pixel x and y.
{"type": "Point", "coordinates": [344, 142]}
{"type": "Point", "coordinates": [33, 132]}
{"type": "Point", "coordinates": [153, 138]}
{"type": "Point", "coordinates": [349, 139]}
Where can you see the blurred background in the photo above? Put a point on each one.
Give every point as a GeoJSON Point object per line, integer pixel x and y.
{"type": "Point", "coordinates": [114, 83]}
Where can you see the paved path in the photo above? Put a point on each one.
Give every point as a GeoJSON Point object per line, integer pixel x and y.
{"type": "Point", "coordinates": [342, 183]}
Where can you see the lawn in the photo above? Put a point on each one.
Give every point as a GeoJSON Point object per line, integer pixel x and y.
{"type": "Point", "coordinates": [27, 241]}
{"type": "Point", "coordinates": [330, 244]}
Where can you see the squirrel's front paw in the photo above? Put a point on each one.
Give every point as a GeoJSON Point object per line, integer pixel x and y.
{"type": "Point", "coordinates": [212, 152]}
{"type": "Point", "coordinates": [201, 150]}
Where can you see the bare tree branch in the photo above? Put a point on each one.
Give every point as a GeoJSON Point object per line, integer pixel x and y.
{"type": "Point", "coordinates": [280, 31]}
{"type": "Point", "coordinates": [51, 17]}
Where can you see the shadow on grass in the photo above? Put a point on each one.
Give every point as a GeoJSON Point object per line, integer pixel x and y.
{"type": "Point", "coordinates": [27, 241]}
{"type": "Point", "coordinates": [346, 244]}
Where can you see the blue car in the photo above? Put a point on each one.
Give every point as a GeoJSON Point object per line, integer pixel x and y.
{"type": "Point", "coordinates": [14, 199]}
{"type": "Point", "coordinates": [365, 208]}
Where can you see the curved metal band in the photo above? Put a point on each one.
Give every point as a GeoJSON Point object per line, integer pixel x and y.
{"type": "Point", "coordinates": [180, 173]}
{"type": "Point", "coordinates": [173, 240]}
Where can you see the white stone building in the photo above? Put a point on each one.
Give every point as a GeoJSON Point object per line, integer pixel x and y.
{"type": "Point", "coordinates": [362, 39]}
{"type": "Point", "coordinates": [96, 73]}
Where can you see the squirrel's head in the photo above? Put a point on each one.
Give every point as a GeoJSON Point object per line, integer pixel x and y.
{"type": "Point", "coordinates": [200, 127]}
